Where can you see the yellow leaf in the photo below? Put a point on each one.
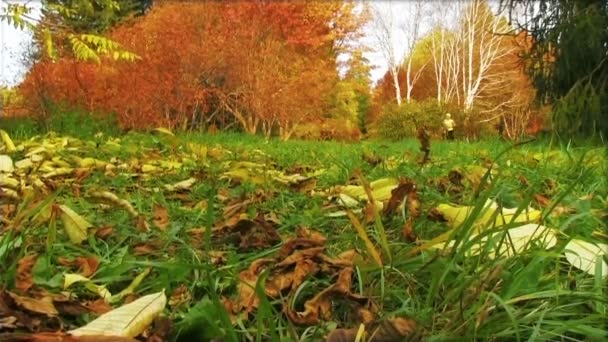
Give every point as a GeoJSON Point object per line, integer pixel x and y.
{"type": "Point", "coordinates": [369, 245]}
{"type": "Point", "coordinates": [584, 255]}
{"type": "Point", "coordinates": [8, 182]}
{"type": "Point", "coordinates": [8, 143]}
{"type": "Point", "coordinates": [164, 130]}
{"type": "Point", "coordinates": [244, 175]}
{"type": "Point", "coordinates": [73, 278]}
{"type": "Point", "coordinates": [129, 320]}
{"type": "Point", "coordinates": [200, 151]}
{"type": "Point", "coordinates": [75, 225]}
{"type": "Point", "coordinates": [6, 164]}
{"type": "Point", "coordinates": [131, 288]}
{"type": "Point", "coordinates": [24, 164]}
{"type": "Point", "coordinates": [146, 168]}
{"type": "Point", "coordinates": [517, 240]}
{"type": "Point", "coordinates": [183, 185]}
{"type": "Point", "coordinates": [115, 200]}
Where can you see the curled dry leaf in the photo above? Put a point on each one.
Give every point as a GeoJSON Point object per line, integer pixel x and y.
{"type": "Point", "coordinates": [259, 233]}
{"type": "Point", "coordinates": [319, 307]}
{"type": "Point", "coordinates": [399, 329]}
{"type": "Point", "coordinates": [111, 198]}
{"type": "Point", "coordinates": [161, 217]}
{"type": "Point", "coordinates": [41, 306]}
{"type": "Point", "coordinates": [24, 273]}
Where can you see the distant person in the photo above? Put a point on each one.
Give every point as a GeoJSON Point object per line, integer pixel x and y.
{"type": "Point", "coordinates": [448, 125]}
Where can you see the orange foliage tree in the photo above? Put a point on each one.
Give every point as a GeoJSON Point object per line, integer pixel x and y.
{"type": "Point", "coordinates": [480, 72]}
{"type": "Point", "coordinates": [268, 65]}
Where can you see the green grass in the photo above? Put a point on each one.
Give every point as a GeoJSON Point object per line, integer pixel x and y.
{"type": "Point", "coordinates": [534, 296]}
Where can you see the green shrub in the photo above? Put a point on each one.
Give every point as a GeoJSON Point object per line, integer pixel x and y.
{"type": "Point", "coordinates": [402, 122]}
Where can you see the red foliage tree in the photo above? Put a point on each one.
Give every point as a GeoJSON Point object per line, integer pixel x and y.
{"type": "Point", "coordinates": [269, 65]}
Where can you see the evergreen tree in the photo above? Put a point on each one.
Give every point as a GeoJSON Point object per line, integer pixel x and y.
{"type": "Point", "coordinates": [568, 60]}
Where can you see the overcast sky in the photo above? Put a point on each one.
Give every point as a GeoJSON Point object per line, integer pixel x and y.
{"type": "Point", "coordinates": [14, 42]}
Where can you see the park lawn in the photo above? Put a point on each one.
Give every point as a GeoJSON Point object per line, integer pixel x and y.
{"type": "Point", "coordinates": [254, 239]}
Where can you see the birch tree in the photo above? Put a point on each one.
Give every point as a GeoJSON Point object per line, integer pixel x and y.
{"type": "Point", "coordinates": [384, 34]}
{"type": "Point", "coordinates": [481, 34]}
{"type": "Point", "coordinates": [412, 32]}
{"type": "Point", "coordinates": [438, 50]}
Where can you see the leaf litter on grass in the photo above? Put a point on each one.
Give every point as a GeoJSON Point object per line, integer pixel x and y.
{"type": "Point", "coordinates": [121, 199]}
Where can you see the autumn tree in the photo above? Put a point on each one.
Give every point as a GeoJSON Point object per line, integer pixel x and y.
{"type": "Point", "coordinates": [268, 65]}
{"type": "Point", "coordinates": [474, 66]}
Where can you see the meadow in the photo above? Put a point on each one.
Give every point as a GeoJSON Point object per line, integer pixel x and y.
{"type": "Point", "coordinates": [249, 239]}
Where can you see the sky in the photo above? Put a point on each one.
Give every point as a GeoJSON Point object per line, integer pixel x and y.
{"type": "Point", "coordinates": [14, 42]}
{"type": "Point", "coordinates": [13, 45]}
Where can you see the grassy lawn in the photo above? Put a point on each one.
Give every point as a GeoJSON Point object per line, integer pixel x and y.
{"type": "Point", "coordinates": [235, 220]}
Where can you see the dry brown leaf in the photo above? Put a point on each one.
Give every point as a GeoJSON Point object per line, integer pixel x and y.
{"type": "Point", "coordinates": [398, 194]}
{"type": "Point", "coordinates": [255, 234]}
{"type": "Point", "coordinates": [298, 256]}
{"type": "Point", "coordinates": [398, 329]}
{"type": "Point", "coordinates": [42, 306]}
{"type": "Point", "coordinates": [145, 249]}
{"type": "Point", "coordinates": [161, 217]}
{"type": "Point", "coordinates": [319, 307]}
{"type": "Point", "coordinates": [24, 279]}
{"type": "Point", "coordinates": [558, 210]}
{"type": "Point", "coordinates": [542, 200]}
{"type": "Point", "coordinates": [87, 266]}
{"type": "Point", "coordinates": [142, 224]}
{"type": "Point", "coordinates": [247, 298]}
{"type": "Point", "coordinates": [98, 306]}
{"type": "Point", "coordinates": [8, 322]}
{"type": "Point", "coordinates": [181, 295]}
{"type": "Point", "coordinates": [305, 185]}
{"type": "Point", "coordinates": [104, 232]}
{"type": "Point", "coordinates": [70, 308]}
{"type": "Point", "coordinates": [161, 330]}
{"type": "Point", "coordinates": [281, 282]}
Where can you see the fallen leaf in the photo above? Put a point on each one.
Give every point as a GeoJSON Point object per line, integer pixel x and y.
{"type": "Point", "coordinates": [73, 278]}
{"type": "Point", "coordinates": [129, 320]}
{"type": "Point", "coordinates": [164, 130]}
{"type": "Point", "coordinates": [161, 217]}
{"type": "Point", "coordinates": [7, 141]}
{"type": "Point", "coordinates": [398, 329]}
{"type": "Point", "coordinates": [87, 266]}
{"type": "Point", "coordinates": [255, 234]}
{"type": "Point", "coordinates": [247, 298]}
{"type": "Point", "coordinates": [142, 224]}
{"type": "Point", "coordinates": [70, 307]}
{"type": "Point", "coordinates": [398, 195]}
{"type": "Point", "coordinates": [516, 241]}
{"type": "Point", "coordinates": [98, 306]}
{"type": "Point", "coordinates": [181, 295]}
{"type": "Point", "coordinates": [24, 273]}
{"type": "Point", "coordinates": [584, 255]}
{"type": "Point", "coordinates": [6, 164]}
{"type": "Point", "coordinates": [42, 306]}
{"type": "Point", "coordinates": [181, 186]}
{"type": "Point", "coordinates": [111, 198]}
{"type": "Point", "coordinates": [319, 307]}
{"type": "Point", "coordinates": [104, 232]}
{"type": "Point", "coordinates": [75, 225]}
